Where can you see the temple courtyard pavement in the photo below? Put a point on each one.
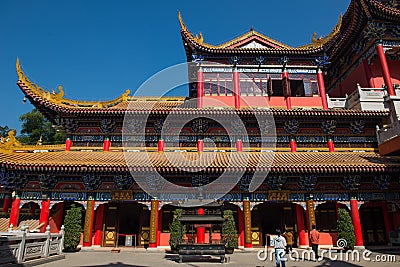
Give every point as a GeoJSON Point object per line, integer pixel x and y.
{"type": "Point", "coordinates": [140, 258]}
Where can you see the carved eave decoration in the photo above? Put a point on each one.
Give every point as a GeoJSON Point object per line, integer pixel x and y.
{"type": "Point", "coordinates": [57, 96]}
{"type": "Point", "coordinates": [320, 41]}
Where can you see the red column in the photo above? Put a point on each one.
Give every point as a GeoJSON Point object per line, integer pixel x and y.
{"type": "Point", "coordinates": [159, 227]}
{"type": "Point", "coordinates": [200, 145]}
{"type": "Point", "coordinates": [236, 88]}
{"type": "Point", "coordinates": [7, 204]}
{"type": "Point", "coordinates": [387, 221]}
{"type": "Point", "coordinates": [331, 145]}
{"type": "Point", "coordinates": [301, 227]}
{"type": "Point", "coordinates": [153, 223]}
{"type": "Point", "coordinates": [241, 227]}
{"type": "Point", "coordinates": [293, 145]}
{"type": "Point", "coordinates": [247, 224]}
{"type": "Point", "coordinates": [385, 69]}
{"type": "Point", "coordinates": [106, 144]}
{"type": "Point", "coordinates": [368, 73]}
{"type": "Point", "coordinates": [68, 144]}
{"type": "Point", "coordinates": [98, 228]}
{"type": "Point", "coordinates": [285, 76]}
{"type": "Point", "coordinates": [88, 227]}
{"type": "Point", "coordinates": [322, 91]}
{"type": "Point", "coordinates": [201, 231]}
{"type": "Point", "coordinates": [239, 145]}
{"type": "Point", "coordinates": [355, 217]}
{"type": "Point", "coordinates": [200, 88]}
{"type": "Point", "coordinates": [44, 214]}
{"type": "Point", "coordinates": [160, 145]}
{"type": "Point", "coordinates": [14, 215]}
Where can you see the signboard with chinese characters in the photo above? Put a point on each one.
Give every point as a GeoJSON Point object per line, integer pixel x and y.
{"type": "Point", "coordinates": [278, 195]}
{"type": "Point", "coordinates": [122, 195]}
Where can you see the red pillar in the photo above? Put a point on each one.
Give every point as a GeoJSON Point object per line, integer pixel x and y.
{"type": "Point", "coordinates": [368, 73]}
{"type": "Point", "coordinates": [331, 145]}
{"type": "Point", "coordinates": [159, 228]}
{"type": "Point", "coordinates": [241, 227]}
{"type": "Point", "coordinates": [286, 91]}
{"type": "Point", "coordinates": [355, 217]}
{"type": "Point", "coordinates": [200, 145]}
{"type": "Point", "coordinates": [200, 88]}
{"type": "Point", "coordinates": [88, 227]}
{"type": "Point", "coordinates": [239, 145]}
{"type": "Point", "coordinates": [160, 145]}
{"type": "Point", "coordinates": [44, 214]}
{"type": "Point", "coordinates": [236, 88]}
{"type": "Point", "coordinates": [322, 91]}
{"type": "Point", "coordinates": [7, 204]}
{"type": "Point", "coordinates": [98, 228]}
{"type": "Point", "coordinates": [14, 215]}
{"type": "Point", "coordinates": [293, 145]}
{"type": "Point", "coordinates": [387, 221]}
{"type": "Point", "coordinates": [201, 231]}
{"type": "Point", "coordinates": [247, 225]}
{"type": "Point", "coordinates": [68, 144]}
{"type": "Point", "coordinates": [385, 69]}
{"type": "Point", "coordinates": [106, 144]}
{"type": "Point", "coordinates": [301, 227]}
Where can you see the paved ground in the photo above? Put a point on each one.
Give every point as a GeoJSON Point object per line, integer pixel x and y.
{"type": "Point", "coordinates": [142, 258]}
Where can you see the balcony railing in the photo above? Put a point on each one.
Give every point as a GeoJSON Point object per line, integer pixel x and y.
{"type": "Point", "coordinates": [338, 103]}
{"type": "Point", "coordinates": [366, 99]}
{"type": "Point", "coordinates": [388, 132]}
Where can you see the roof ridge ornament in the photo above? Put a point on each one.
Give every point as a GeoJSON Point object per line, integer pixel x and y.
{"type": "Point", "coordinates": [320, 41]}
{"type": "Point", "coordinates": [57, 97]}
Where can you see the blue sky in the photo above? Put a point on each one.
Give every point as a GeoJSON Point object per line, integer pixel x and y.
{"type": "Point", "coordinates": [97, 49]}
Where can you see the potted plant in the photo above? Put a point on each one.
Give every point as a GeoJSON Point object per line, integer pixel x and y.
{"type": "Point", "coordinates": [345, 229]}
{"type": "Point", "coordinates": [177, 230]}
{"type": "Point", "coordinates": [229, 234]}
{"type": "Point", "coordinates": [73, 228]}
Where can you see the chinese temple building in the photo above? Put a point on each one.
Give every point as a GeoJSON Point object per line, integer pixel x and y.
{"type": "Point", "coordinates": [333, 143]}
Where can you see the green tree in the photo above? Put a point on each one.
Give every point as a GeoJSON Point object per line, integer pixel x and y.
{"type": "Point", "coordinates": [229, 233]}
{"type": "Point", "coordinates": [345, 228]}
{"type": "Point", "coordinates": [73, 228]}
{"type": "Point", "coordinates": [35, 127]}
{"type": "Point", "coordinates": [4, 131]}
{"type": "Point", "coordinates": [177, 230]}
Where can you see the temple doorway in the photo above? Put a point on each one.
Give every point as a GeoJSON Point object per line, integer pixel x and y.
{"type": "Point", "coordinates": [268, 217]}
{"type": "Point", "coordinates": [373, 224]}
{"type": "Point", "coordinates": [126, 224]}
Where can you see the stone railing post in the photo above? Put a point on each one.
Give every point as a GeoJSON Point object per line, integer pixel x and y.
{"type": "Point", "coordinates": [21, 251]}
{"type": "Point", "coordinates": [47, 244]}
{"type": "Point", "coordinates": [61, 245]}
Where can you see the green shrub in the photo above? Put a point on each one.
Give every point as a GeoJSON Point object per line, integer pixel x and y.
{"type": "Point", "coordinates": [345, 228]}
{"type": "Point", "coordinates": [73, 228]}
{"type": "Point", "coordinates": [177, 230]}
{"type": "Point", "coordinates": [229, 234]}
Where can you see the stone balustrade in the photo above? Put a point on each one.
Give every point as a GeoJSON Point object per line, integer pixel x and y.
{"type": "Point", "coordinates": [23, 246]}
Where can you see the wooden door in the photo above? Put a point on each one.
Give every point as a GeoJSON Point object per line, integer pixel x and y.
{"type": "Point", "coordinates": [110, 226]}
{"type": "Point", "coordinates": [373, 226]}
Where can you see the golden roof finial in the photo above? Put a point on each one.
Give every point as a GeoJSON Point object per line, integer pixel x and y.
{"type": "Point", "coordinates": [9, 142]}
{"type": "Point", "coordinates": [183, 26]}
{"type": "Point", "coordinates": [323, 40]}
